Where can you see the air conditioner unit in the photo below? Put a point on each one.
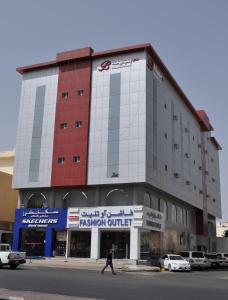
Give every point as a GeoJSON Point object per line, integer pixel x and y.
{"type": "Point", "coordinates": [176, 175]}
{"type": "Point", "coordinates": [186, 130]}
{"type": "Point", "coordinates": [208, 196]}
{"type": "Point", "coordinates": [187, 155]}
{"type": "Point", "coordinates": [176, 146]}
{"type": "Point", "coordinates": [199, 145]}
{"type": "Point", "coordinates": [175, 117]}
{"type": "Point", "coordinates": [206, 172]}
{"type": "Point", "coordinates": [200, 168]}
{"type": "Point", "coordinates": [200, 191]}
{"type": "Point", "coordinates": [213, 180]}
{"type": "Point", "coordinates": [188, 182]}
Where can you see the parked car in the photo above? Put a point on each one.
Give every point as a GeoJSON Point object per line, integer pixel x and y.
{"type": "Point", "coordinates": [195, 258]}
{"type": "Point", "coordinates": [213, 260]}
{"type": "Point", "coordinates": [223, 259]}
{"type": "Point", "coordinates": [10, 258]}
{"type": "Point", "coordinates": [173, 262]}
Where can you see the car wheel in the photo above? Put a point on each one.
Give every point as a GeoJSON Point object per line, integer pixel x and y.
{"type": "Point", "coordinates": [169, 268]}
{"type": "Point", "coordinates": [13, 266]}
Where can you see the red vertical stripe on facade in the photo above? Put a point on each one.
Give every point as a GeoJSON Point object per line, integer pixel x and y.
{"type": "Point", "coordinates": [72, 141]}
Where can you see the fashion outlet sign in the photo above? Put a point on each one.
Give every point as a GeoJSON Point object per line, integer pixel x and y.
{"type": "Point", "coordinates": [115, 217]}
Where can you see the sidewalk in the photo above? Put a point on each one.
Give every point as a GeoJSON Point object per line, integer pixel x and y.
{"type": "Point", "coordinates": [88, 264]}
{"type": "Point", "coordinates": [25, 295]}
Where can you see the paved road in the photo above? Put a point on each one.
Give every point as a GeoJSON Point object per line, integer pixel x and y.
{"type": "Point", "coordinates": [204, 285]}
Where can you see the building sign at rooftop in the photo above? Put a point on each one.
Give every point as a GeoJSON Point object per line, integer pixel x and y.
{"type": "Point", "coordinates": [116, 64]}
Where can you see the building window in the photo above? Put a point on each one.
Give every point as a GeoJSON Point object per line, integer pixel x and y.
{"type": "Point", "coordinates": [61, 160]}
{"type": "Point", "coordinates": [63, 125]}
{"type": "Point", "coordinates": [212, 159]}
{"type": "Point", "coordinates": [80, 92]}
{"type": "Point", "coordinates": [174, 214]}
{"type": "Point", "coordinates": [165, 106]}
{"type": "Point", "coordinates": [193, 138]}
{"type": "Point", "coordinates": [166, 168]}
{"type": "Point", "coordinates": [213, 180]}
{"type": "Point", "coordinates": [181, 215]}
{"type": "Point", "coordinates": [166, 136]}
{"type": "Point", "coordinates": [147, 199]}
{"type": "Point", "coordinates": [64, 95]}
{"type": "Point", "coordinates": [194, 162]}
{"type": "Point", "coordinates": [78, 124]}
{"type": "Point", "coordinates": [76, 159]}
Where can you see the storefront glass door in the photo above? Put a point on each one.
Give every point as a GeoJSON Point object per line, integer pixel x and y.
{"type": "Point", "coordinates": [118, 241]}
{"type": "Point", "coordinates": [32, 241]}
{"type": "Point", "coordinates": [60, 243]}
{"type": "Point", "coordinates": [80, 244]}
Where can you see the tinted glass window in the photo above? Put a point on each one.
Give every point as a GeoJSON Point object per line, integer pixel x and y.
{"type": "Point", "coordinates": [4, 248]}
{"type": "Point", "coordinates": [211, 256]}
{"type": "Point", "coordinates": [184, 254]}
{"type": "Point", "coordinates": [226, 255]}
{"type": "Point", "coordinates": [197, 254]}
{"type": "Point", "coordinates": [175, 257]}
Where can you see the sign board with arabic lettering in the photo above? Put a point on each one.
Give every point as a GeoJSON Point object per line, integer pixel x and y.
{"type": "Point", "coordinates": [153, 219]}
{"type": "Point", "coordinates": [41, 218]}
{"type": "Point", "coordinates": [115, 217]}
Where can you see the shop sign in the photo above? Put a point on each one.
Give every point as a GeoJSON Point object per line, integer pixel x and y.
{"type": "Point", "coordinates": [116, 217]}
{"type": "Point", "coordinates": [105, 217]}
{"type": "Point", "coordinates": [40, 218]}
{"type": "Point", "coordinates": [116, 64]}
{"type": "Point", "coordinates": [153, 219]}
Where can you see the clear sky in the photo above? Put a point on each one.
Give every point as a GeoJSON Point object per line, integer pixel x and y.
{"type": "Point", "coordinates": [191, 37]}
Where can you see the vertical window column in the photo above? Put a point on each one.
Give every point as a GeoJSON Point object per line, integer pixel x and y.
{"type": "Point", "coordinates": [154, 124]}
{"type": "Point", "coordinates": [113, 126]}
{"type": "Point", "coordinates": [36, 134]}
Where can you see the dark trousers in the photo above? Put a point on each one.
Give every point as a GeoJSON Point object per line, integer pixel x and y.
{"type": "Point", "coordinates": [108, 263]}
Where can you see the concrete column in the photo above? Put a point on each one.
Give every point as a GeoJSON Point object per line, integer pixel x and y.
{"type": "Point", "coordinates": [69, 242]}
{"type": "Point", "coordinates": [95, 243]}
{"type": "Point", "coordinates": [135, 195]}
{"type": "Point", "coordinates": [135, 243]}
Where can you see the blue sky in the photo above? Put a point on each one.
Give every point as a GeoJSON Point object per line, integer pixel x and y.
{"type": "Point", "coordinates": [190, 36]}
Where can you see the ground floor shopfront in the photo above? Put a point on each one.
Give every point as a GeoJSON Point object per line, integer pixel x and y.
{"type": "Point", "coordinates": [133, 232]}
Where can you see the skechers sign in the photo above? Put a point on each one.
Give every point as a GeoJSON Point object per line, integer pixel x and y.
{"type": "Point", "coordinates": [41, 218]}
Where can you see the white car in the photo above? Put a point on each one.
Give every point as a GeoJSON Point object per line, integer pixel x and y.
{"type": "Point", "coordinates": [196, 259]}
{"type": "Point", "coordinates": [10, 258]}
{"type": "Point", "coordinates": [223, 259]}
{"type": "Point", "coordinates": [173, 262]}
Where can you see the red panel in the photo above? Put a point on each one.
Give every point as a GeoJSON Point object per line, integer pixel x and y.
{"type": "Point", "coordinates": [72, 141]}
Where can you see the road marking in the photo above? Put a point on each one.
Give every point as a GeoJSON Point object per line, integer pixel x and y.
{"type": "Point", "coordinates": [15, 298]}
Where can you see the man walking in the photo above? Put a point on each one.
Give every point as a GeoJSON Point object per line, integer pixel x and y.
{"type": "Point", "coordinates": [109, 263]}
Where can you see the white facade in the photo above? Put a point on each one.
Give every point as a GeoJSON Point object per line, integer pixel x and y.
{"type": "Point", "coordinates": [31, 81]}
{"type": "Point", "coordinates": [131, 120]}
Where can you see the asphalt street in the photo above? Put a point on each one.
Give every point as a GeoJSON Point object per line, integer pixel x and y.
{"type": "Point", "coordinates": [203, 285]}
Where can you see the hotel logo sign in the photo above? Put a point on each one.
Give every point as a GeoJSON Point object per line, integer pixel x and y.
{"type": "Point", "coordinates": [116, 64]}
{"type": "Point", "coordinates": [153, 67]}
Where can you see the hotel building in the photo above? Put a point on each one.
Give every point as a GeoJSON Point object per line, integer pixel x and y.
{"type": "Point", "coordinates": [110, 153]}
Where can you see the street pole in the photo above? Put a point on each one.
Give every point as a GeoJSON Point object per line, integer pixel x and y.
{"type": "Point", "coordinates": [66, 251]}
